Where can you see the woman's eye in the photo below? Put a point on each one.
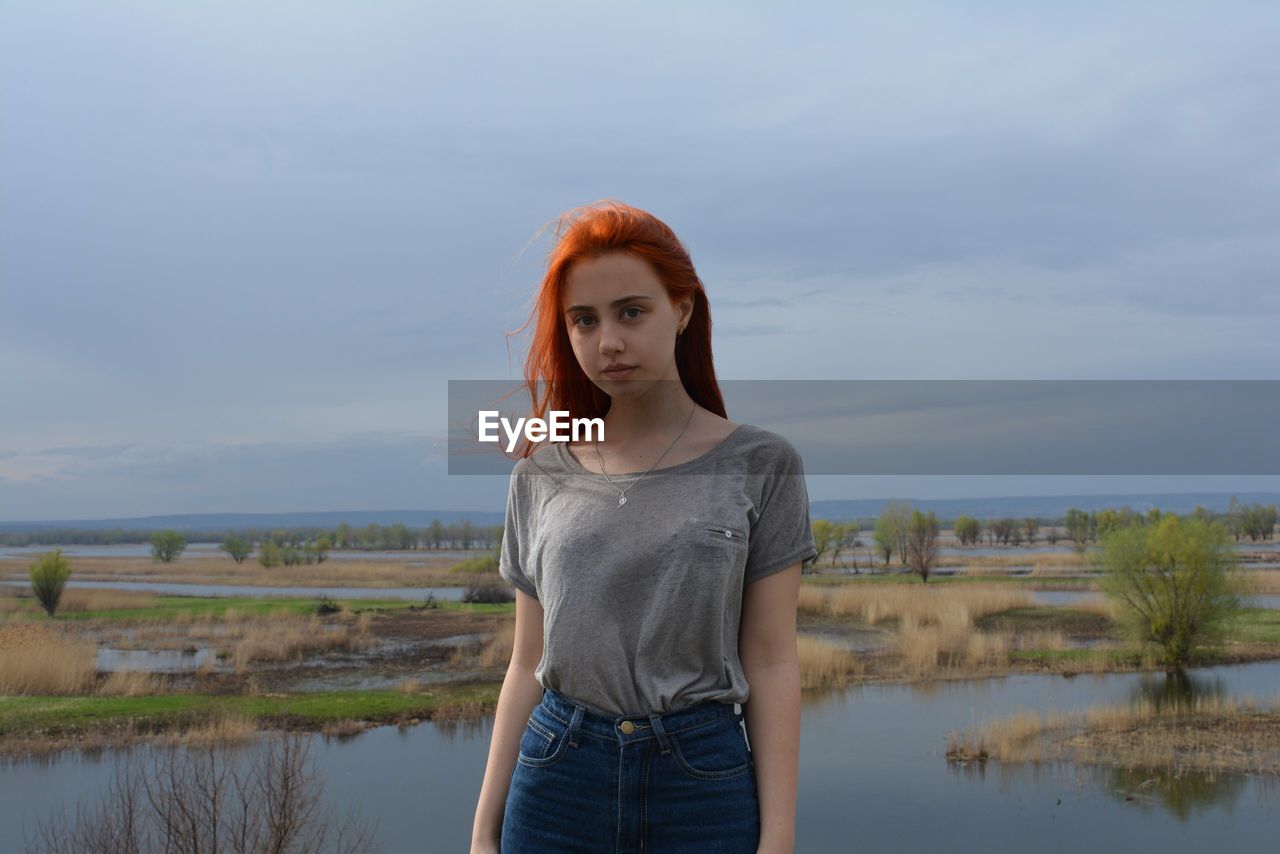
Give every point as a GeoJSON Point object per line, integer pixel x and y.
{"type": "Point", "coordinates": [634, 308]}
{"type": "Point", "coordinates": [581, 317]}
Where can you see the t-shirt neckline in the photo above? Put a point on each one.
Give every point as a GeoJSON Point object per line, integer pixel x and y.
{"type": "Point", "coordinates": [567, 458]}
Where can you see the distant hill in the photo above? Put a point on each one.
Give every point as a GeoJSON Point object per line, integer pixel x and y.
{"type": "Point", "coordinates": [263, 521]}
{"type": "Point", "coordinates": [1042, 506]}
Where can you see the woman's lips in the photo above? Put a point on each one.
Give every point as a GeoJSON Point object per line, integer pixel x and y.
{"type": "Point", "coordinates": [621, 374]}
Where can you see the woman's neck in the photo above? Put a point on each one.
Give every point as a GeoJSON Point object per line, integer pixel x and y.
{"type": "Point", "coordinates": [663, 410]}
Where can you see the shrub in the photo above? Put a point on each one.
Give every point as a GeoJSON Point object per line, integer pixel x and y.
{"type": "Point", "coordinates": [167, 546]}
{"type": "Point", "coordinates": [237, 547]}
{"type": "Point", "coordinates": [1176, 583]}
{"type": "Point", "coordinates": [488, 594]}
{"type": "Point", "coordinates": [481, 563]}
{"type": "Point", "coordinates": [48, 579]}
{"type": "Point", "coordinates": [269, 554]}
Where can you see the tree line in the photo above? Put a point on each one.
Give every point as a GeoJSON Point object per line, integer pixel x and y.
{"type": "Point", "coordinates": [460, 535]}
{"type": "Point", "coordinates": [912, 534]}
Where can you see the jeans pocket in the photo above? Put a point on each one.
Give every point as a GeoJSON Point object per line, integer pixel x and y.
{"type": "Point", "coordinates": [544, 739]}
{"type": "Point", "coordinates": [715, 751]}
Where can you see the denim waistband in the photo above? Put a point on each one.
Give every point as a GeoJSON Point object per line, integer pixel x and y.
{"type": "Point", "coordinates": [579, 718]}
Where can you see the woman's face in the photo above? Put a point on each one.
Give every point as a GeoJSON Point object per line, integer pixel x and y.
{"type": "Point", "coordinates": [617, 313]}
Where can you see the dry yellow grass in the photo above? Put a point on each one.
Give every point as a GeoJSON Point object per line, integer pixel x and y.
{"type": "Point", "coordinates": [44, 661]}
{"type": "Point", "coordinates": [1097, 604]}
{"type": "Point", "coordinates": [131, 683]}
{"type": "Point", "coordinates": [825, 665]}
{"type": "Point", "coordinates": [986, 650]}
{"type": "Point", "coordinates": [275, 639]}
{"type": "Point", "coordinates": [935, 625]}
{"type": "Point", "coordinates": [496, 651]}
{"type": "Point", "coordinates": [956, 647]}
{"type": "Point", "coordinates": [1061, 560]}
{"type": "Point", "coordinates": [189, 569]}
{"type": "Point", "coordinates": [1053, 570]}
{"type": "Point", "coordinates": [411, 685]}
{"type": "Point", "coordinates": [944, 604]}
{"type": "Point", "coordinates": [1263, 581]}
{"type": "Point", "coordinates": [243, 636]}
{"type": "Point", "coordinates": [77, 600]}
{"type": "Point", "coordinates": [1212, 734]}
{"type": "Point", "coordinates": [225, 729]}
{"type": "Point", "coordinates": [27, 634]}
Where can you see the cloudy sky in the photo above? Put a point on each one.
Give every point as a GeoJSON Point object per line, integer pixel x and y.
{"type": "Point", "coordinates": [244, 246]}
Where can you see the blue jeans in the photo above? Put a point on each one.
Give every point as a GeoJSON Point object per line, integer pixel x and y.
{"type": "Point", "coordinates": [593, 783]}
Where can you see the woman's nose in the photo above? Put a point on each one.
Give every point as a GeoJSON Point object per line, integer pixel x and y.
{"type": "Point", "coordinates": [610, 338]}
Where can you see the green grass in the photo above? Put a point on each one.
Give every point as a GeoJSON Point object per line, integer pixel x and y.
{"type": "Point", "coordinates": [1115, 656]}
{"type": "Point", "coordinates": [66, 715]}
{"type": "Point", "coordinates": [1255, 625]}
{"type": "Point", "coordinates": [1071, 621]}
{"type": "Point", "coordinates": [912, 578]}
{"type": "Point", "coordinates": [172, 607]}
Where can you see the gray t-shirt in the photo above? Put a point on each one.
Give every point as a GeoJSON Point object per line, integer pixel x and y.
{"type": "Point", "coordinates": [642, 603]}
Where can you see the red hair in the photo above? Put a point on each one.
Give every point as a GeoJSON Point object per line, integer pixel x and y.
{"type": "Point", "coordinates": [590, 231]}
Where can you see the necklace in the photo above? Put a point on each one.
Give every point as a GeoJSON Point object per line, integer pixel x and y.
{"type": "Point", "coordinates": [622, 493]}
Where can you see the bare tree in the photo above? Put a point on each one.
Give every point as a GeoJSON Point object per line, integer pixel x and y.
{"type": "Point", "coordinates": [200, 800]}
{"type": "Point", "coordinates": [922, 543]}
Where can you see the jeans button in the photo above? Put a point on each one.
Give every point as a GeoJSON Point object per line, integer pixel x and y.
{"type": "Point", "coordinates": [627, 727]}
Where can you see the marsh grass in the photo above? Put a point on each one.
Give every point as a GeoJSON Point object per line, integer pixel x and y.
{"type": "Point", "coordinates": [79, 600]}
{"type": "Point", "coordinates": [190, 569]}
{"type": "Point", "coordinates": [944, 604]}
{"type": "Point", "coordinates": [54, 658]}
{"type": "Point", "coordinates": [284, 640]}
{"type": "Point", "coordinates": [222, 729]}
{"type": "Point", "coordinates": [132, 683]}
{"type": "Point", "coordinates": [936, 634]}
{"type": "Point", "coordinates": [246, 636]}
{"type": "Point", "coordinates": [824, 665]}
{"type": "Point", "coordinates": [1211, 733]}
{"type": "Point", "coordinates": [346, 728]}
{"type": "Point", "coordinates": [495, 652]}
{"type": "Point", "coordinates": [42, 660]}
{"type": "Point", "coordinates": [1261, 581]}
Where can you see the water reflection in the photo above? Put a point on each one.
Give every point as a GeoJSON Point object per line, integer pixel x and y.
{"type": "Point", "coordinates": [1178, 692]}
{"type": "Point", "coordinates": [1184, 795]}
{"type": "Point", "coordinates": [874, 774]}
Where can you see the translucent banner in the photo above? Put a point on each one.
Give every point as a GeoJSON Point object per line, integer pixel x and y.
{"type": "Point", "coordinates": [934, 427]}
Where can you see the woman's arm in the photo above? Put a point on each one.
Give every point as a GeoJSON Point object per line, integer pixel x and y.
{"type": "Point", "coordinates": [520, 693]}
{"type": "Point", "coordinates": [767, 650]}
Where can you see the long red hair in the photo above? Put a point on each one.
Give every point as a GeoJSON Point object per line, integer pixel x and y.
{"type": "Point", "coordinates": [588, 232]}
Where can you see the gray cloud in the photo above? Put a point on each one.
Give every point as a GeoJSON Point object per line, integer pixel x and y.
{"type": "Point", "coordinates": [296, 228]}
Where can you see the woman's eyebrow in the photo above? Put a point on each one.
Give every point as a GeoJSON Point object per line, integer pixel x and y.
{"type": "Point", "coordinates": [613, 304]}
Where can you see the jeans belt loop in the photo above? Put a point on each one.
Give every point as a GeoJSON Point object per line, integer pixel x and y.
{"type": "Point", "coordinates": [663, 741]}
{"type": "Point", "coordinates": [574, 723]}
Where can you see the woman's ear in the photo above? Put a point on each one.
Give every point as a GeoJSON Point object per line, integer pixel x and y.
{"type": "Point", "coordinates": [684, 311]}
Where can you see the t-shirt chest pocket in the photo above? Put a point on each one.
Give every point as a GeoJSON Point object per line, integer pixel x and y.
{"type": "Point", "coordinates": [729, 536]}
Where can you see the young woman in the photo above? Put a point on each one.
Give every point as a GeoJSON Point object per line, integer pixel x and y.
{"type": "Point", "coordinates": [656, 576]}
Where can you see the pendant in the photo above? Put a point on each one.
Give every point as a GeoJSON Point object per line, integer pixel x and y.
{"type": "Point", "coordinates": [622, 499]}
